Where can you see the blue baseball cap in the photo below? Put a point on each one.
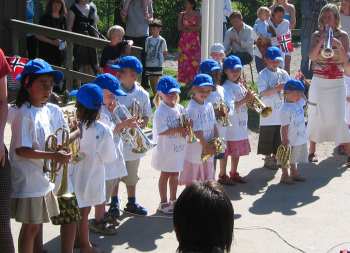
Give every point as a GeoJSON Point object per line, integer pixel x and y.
{"type": "Point", "coordinates": [130, 62]}
{"type": "Point", "coordinates": [294, 85]}
{"type": "Point", "coordinates": [232, 62]}
{"type": "Point", "coordinates": [168, 84]}
{"type": "Point", "coordinates": [202, 80]}
{"type": "Point", "coordinates": [39, 67]}
{"type": "Point", "coordinates": [89, 95]}
{"type": "Point", "coordinates": [274, 53]}
{"type": "Point", "coordinates": [109, 82]}
{"type": "Point", "coordinates": [208, 66]}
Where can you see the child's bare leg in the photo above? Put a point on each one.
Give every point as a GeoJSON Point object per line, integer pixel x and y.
{"type": "Point", "coordinates": [162, 186]}
{"type": "Point", "coordinates": [294, 173]}
{"type": "Point", "coordinates": [285, 178]}
{"type": "Point", "coordinates": [173, 183]}
{"type": "Point", "coordinates": [27, 237]}
{"type": "Point", "coordinates": [85, 245]}
{"type": "Point", "coordinates": [287, 61]}
{"type": "Point", "coordinates": [38, 242]}
{"type": "Point", "coordinates": [312, 147]}
{"type": "Point", "coordinates": [234, 165]}
{"type": "Point", "coordinates": [68, 232]}
{"type": "Point", "coordinates": [100, 212]}
{"type": "Point", "coordinates": [153, 82]}
{"type": "Point", "coordinates": [223, 165]}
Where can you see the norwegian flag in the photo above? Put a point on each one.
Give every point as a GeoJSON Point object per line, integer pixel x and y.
{"type": "Point", "coordinates": [17, 64]}
{"type": "Point", "coordinates": [285, 43]}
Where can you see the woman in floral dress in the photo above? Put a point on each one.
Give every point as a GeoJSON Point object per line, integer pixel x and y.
{"type": "Point", "coordinates": [189, 45]}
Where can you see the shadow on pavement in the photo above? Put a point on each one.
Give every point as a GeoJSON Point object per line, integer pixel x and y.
{"type": "Point", "coordinates": [285, 199]}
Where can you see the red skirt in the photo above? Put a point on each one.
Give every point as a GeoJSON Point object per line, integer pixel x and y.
{"type": "Point", "coordinates": [237, 148]}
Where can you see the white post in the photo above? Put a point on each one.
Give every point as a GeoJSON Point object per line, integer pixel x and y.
{"type": "Point", "coordinates": [212, 4]}
{"type": "Point", "coordinates": [218, 21]}
{"type": "Point", "coordinates": [205, 29]}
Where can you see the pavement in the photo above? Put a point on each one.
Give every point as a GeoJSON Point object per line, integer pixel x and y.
{"type": "Point", "coordinates": [311, 217]}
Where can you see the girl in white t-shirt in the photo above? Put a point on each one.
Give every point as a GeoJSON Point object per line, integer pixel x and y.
{"type": "Point", "coordinates": [293, 130]}
{"type": "Point", "coordinates": [33, 201]}
{"type": "Point", "coordinates": [236, 96]}
{"type": "Point", "coordinates": [170, 138]}
{"type": "Point", "coordinates": [204, 126]}
{"type": "Point", "coordinates": [97, 145]}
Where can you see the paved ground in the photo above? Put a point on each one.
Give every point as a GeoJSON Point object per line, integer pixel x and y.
{"type": "Point", "coordinates": [314, 216]}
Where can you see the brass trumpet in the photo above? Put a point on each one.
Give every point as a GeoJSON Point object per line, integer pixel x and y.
{"type": "Point", "coordinates": [135, 136]}
{"type": "Point", "coordinates": [184, 121]}
{"type": "Point", "coordinates": [222, 113]}
{"type": "Point", "coordinates": [283, 155]}
{"type": "Point", "coordinates": [327, 52]}
{"type": "Point", "coordinates": [53, 167]}
{"type": "Point", "coordinates": [258, 105]}
{"type": "Point", "coordinates": [219, 145]}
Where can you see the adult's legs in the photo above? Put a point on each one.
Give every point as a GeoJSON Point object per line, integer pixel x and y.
{"type": "Point", "coordinates": [305, 47]}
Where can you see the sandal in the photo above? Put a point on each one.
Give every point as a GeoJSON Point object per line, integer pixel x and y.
{"type": "Point", "coordinates": [270, 163]}
{"type": "Point", "coordinates": [102, 228]}
{"type": "Point", "coordinates": [287, 180]}
{"type": "Point", "coordinates": [313, 158]}
{"type": "Point", "coordinates": [226, 180]}
{"type": "Point", "coordinates": [237, 178]}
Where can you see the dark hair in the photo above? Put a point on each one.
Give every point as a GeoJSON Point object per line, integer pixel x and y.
{"type": "Point", "coordinates": [203, 219]}
{"type": "Point", "coordinates": [236, 14]}
{"type": "Point", "coordinates": [278, 8]}
{"type": "Point", "coordinates": [193, 3]}
{"type": "Point", "coordinates": [23, 94]}
{"type": "Point", "coordinates": [85, 115]}
{"type": "Point", "coordinates": [48, 10]}
{"type": "Point", "coordinates": [224, 78]}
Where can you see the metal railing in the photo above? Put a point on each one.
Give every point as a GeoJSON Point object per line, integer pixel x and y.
{"type": "Point", "coordinates": [19, 28]}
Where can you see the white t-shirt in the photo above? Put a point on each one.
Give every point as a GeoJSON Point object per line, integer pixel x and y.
{"type": "Point", "coordinates": [292, 115]}
{"type": "Point", "coordinates": [203, 118]}
{"type": "Point", "coordinates": [31, 127]}
{"type": "Point", "coordinates": [281, 29]}
{"type": "Point", "coordinates": [239, 117]}
{"type": "Point", "coordinates": [141, 95]}
{"type": "Point", "coordinates": [347, 107]}
{"type": "Point", "coordinates": [268, 79]}
{"type": "Point", "coordinates": [117, 170]}
{"type": "Point", "coordinates": [154, 48]}
{"type": "Point", "coordinates": [261, 28]}
{"type": "Point", "coordinates": [169, 154]}
{"type": "Point", "coordinates": [89, 180]}
{"type": "Point", "coordinates": [215, 97]}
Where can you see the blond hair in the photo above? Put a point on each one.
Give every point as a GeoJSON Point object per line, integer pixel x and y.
{"type": "Point", "coordinates": [263, 9]}
{"type": "Point", "coordinates": [157, 99]}
{"type": "Point", "coordinates": [115, 28]}
{"type": "Point", "coordinates": [335, 11]}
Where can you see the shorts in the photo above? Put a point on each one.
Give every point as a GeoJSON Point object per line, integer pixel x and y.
{"type": "Point", "coordinates": [299, 154]}
{"type": "Point", "coordinates": [110, 184]}
{"type": "Point", "coordinates": [69, 211]}
{"type": "Point", "coordinates": [35, 210]}
{"type": "Point", "coordinates": [132, 168]}
{"type": "Point", "coordinates": [153, 71]}
{"type": "Point", "coordinates": [269, 140]}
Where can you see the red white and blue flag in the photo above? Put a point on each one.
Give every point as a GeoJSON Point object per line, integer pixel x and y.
{"type": "Point", "coordinates": [285, 43]}
{"type": "Point", "coordinates": [17, 64]}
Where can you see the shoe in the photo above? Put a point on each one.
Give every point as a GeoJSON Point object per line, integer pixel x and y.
{"type": "Point", "coordinates": [226, 180]}
{"type": "Point", "coordinates": [286, 180]}
{"type": "Point", "coordinates": [270, 163]}
{"type": "Point", "coordinates": [313, 158]}
{"type": "Point", "coordinates": [102, 228]}
{"type": "Point", "coordinates": [114, 211]}
{"type": "Point", "coordinates": [166, 208]}
{"type": "Point", "coordinates": [237, 178]}
{"type": "Point", "coordinates": [340, 150]}
{"type": "Point", "coordinates": [298, 178]}
{"type": "Point", "coordinates": [134, 208]}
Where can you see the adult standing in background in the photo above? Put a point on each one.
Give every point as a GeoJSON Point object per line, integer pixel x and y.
{"type": "Point", "coordinates": [239, 39]}
{"type": "Point", "coordinates": [309, 11]}
{"type": "Point", "coordinates": [189, 24]}
{"type": "Point", "coordinates": [51, 49]}
{"type": "Point", "coordinates": [137, 14]}
{"type": "Point", "coordinates": [6, 240]}
{"type": "Point", "coordinates": [227, 13]}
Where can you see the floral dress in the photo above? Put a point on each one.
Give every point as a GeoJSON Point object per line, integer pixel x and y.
{"type": "Point", "coordinates": [189, 50]}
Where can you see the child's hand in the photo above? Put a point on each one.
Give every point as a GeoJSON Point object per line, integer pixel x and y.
{"type": "Point", "coordinates": [348, 99]}
{"type": "Point", "coordinates": [130, 123]}
{"type": "Point", "coordinates": [183, 131]}
{"type": "Point", "coordinates": [61, 156]}
{"type": "Point", "coordinates": [141, 123]}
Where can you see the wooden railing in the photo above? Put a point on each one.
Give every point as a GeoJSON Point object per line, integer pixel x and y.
{"type": "Point", "coordinates": [19, 28]}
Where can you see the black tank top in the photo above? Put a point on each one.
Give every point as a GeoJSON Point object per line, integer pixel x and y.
{"type": "Point", "coordinates": [82, 24]}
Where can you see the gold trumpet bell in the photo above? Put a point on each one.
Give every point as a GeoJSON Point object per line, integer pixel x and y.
{"type": "Point", "coordinates": [266, 111]}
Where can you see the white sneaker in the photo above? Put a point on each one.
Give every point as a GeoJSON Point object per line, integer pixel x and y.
{"type": "Point", "coordinates": [166, 208]}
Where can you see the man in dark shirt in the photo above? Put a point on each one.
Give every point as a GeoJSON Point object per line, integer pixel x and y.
{"type": "Point", "coordinates": [310, 10]}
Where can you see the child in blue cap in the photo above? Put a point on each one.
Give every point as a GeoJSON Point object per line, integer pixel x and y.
{"type": "Point", "coordinates": [170, 137]}
{"type": "Point", "coordinates": [129, 67]}
{"type": "Point", "coordinates": [204, 126]}
{"type": "Point", "coordinates": [33, 200]}
{"type": "Point", "coordinates": [270, 86]}
{"type": "Point", "coordinates": [236, 136]}
{"type": "Point", "coordinates": [96, 143]}
{"type": "Point", "coordinates": [293, 129]}
{"type": "Point", "coordinates": [111, 91]}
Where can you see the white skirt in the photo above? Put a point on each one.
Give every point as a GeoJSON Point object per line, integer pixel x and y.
{"type": "Point", "coordinates": [326, 111]}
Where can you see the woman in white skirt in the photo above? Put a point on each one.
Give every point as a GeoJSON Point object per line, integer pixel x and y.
{"type": "Point", "coordinates": [327, 91]}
